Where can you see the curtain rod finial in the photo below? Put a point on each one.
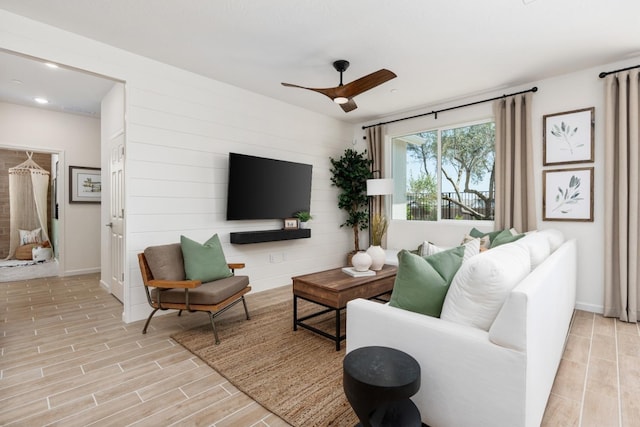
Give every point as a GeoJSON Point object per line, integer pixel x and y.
{"type": "Point", "coordinates": [534, 89]}
{"type": "Point", "coordinates": [602, 75]}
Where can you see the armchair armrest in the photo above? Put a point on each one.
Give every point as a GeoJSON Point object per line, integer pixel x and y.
{"type": "Point", "coordinates": [169, 284]}
{"type": "Point", "coordinates": [234, 265]}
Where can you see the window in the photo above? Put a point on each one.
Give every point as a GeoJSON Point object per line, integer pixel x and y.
{"type": "Point", "coordinates": [448, 173]}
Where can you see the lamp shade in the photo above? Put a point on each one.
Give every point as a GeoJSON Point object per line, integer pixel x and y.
{"type": "Point", "coordinates": [379, 187]}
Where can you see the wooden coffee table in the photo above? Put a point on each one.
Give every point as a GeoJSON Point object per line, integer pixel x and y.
{"type": "Point", "coordinates": [333, 289]}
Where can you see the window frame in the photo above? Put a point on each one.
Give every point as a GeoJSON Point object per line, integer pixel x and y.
{"type": "Point", "coordinates": [439, 129]}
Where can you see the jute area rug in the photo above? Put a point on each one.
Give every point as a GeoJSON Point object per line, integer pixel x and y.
{"type": "Point", "coordinates": [295, 375]}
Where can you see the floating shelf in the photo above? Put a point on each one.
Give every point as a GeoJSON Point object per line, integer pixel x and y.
{"type": "Point", "coordinates": [244, 237]}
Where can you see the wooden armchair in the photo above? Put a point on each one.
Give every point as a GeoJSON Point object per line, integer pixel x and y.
{"type": "Point", "coordinates": [162, 269]}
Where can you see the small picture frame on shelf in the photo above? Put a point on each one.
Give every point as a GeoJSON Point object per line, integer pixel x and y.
{"type": "Point", "coordinates": [291, 223]}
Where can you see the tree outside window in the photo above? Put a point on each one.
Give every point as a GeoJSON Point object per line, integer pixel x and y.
{"type": "Point", "coordinates": [449, 173]}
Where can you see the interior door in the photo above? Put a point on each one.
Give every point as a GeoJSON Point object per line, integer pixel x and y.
{"type": "Point", "coordinates": [116, 215]}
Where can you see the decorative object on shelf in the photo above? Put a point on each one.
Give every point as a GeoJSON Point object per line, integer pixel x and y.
{"type": "Point", "coordinates": [378, 257]}
{"type": "Point", "coordinates": [355, 273]}
{"type": "Point", "coordinates": [290, 223]}
{"type": "Point", "coordinates": [361, 261]}
{"type": "Point", "coordinates": [350, 173]}
{"type": "Point", "coordinates": [568, 137]}
{"type": "Point", "coordinates": [304, 217]}
{"type": "Point", "coordinates": [85, 185]}
{"type": "Point", "coordinates": [567, 194]}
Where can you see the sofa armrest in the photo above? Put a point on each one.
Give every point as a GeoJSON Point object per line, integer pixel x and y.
{"type": "Point", "coordinates": [465, 378]}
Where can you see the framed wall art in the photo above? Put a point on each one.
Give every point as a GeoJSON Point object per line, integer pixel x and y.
{"type": "Point", "coordinates": [291, 223]}
{"type": "Point", "coordinates": [567, 194]}
{"type": "Point", "coordinates": [568, 137]}
{"type": "Point", "coordinates": [85, 185]}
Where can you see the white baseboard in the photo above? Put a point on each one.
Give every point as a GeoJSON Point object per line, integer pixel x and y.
{"type": "Point", "coordinates": [592, 308]}
{"type": "Point", "coordinates": [104, 285]}
{"type": "Point", "coordinates": [81, 271]}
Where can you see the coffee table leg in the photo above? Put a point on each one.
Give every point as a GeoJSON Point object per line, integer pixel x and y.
{"type": "Point", "coordinates": [295, 313]}
{"type": "Point", "coordinates": [338, 330]}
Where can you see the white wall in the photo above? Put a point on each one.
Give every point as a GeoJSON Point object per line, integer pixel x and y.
{"type": "Point", "coordinates": [562, 93]}
{"type": "Point", "coordinates": [77, 138]}
{"type": "Point", "coordinates": [180, 128]}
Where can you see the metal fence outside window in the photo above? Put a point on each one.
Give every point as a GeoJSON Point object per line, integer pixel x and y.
{"type": "Point", "coordinates": [424, 207]}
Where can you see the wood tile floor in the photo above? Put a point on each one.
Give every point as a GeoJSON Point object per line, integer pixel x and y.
{"type": "Point", "coordinates": [66, 358]}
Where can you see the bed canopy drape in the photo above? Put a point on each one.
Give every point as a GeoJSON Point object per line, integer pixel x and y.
{"type": "Point", "coordinates": [28, 189]}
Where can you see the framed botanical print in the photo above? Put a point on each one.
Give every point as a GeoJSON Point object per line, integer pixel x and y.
{"type": "Point", "coordinates": [568, 137]}
{"type": "Point", "coordinates": [567, 194]}
{"type": "Point", "coordinates": [85, 185]}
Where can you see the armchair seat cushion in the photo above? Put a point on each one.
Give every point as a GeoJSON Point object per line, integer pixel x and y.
{"type": "Point", "coordinates": [210, 293]}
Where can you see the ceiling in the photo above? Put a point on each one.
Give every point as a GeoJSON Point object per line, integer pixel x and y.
{"type": "Point", "coordinates": [441, 50]}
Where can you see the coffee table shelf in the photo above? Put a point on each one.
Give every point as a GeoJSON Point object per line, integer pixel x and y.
{"type": "Point", "coordinates": [333, 289]}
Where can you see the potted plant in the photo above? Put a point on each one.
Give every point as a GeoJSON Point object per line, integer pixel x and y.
{"type": "Point", "coordinates": [350, 173]}
{"type": "Point", "coordinates": [304, 217]}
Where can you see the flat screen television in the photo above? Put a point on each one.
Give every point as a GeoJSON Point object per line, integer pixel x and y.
{"type": "Point", "coordinates": [262, 188]}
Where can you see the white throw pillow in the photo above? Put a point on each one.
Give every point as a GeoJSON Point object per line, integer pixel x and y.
{"type": "Point", "coordinates": [483, 283]}
{"type": "Point", "coordinates": [556, 238]}
{"type": "Point", "coordinates": [471, 248]}
{"type": "Point", "coordinates": [29, 236]}
{"type": "Point", "coordinates": [538, 246]}
{"type": "Point", "coordinates": [485, 241]}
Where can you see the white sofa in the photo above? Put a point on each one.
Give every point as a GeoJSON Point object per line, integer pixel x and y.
{"type": "Point", "coordinates": [473, 377]}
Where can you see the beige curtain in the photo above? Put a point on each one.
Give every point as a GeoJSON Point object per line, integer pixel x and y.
{"type": "Point", "coordinates": [622, 191]}
{"type": "Point", "coordinates": [375, 138]}
{"type": "Point", "coordinates": [514, 184]}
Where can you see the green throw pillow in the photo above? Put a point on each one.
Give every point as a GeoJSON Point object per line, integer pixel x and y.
{"type": "Point", "coordinates": [422, 282]}
{"type": "Point", "coordinates": [204, 262]}
{"type": "Point", "coordinates": [505, 236]}
{"type": "Point", "coordinates": [479, 234]}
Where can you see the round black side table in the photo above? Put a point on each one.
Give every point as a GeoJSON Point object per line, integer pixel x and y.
{"type": "Point", "coordinates": [378, 382]}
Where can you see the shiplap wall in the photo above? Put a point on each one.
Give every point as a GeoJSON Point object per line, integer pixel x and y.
{"type": "Point", "coordinates": [180, 128]}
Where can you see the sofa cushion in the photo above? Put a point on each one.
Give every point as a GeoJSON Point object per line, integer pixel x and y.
{"type": "Point", "coordinates": [482, 284]}
{"type": "Point", "coordinates": [204, 262]}
{"type": "Point", "coordinates": [478, 234]}
{"type": "Point", "coordinates": [485, 242]}
{"type": "Point", "coordinates": [555, 237]}
{"type": "Point", "coordinates": [165, 262]}
{"type": "Point", "coordinates": [505, 236]}
{"type": "Point", "coordinates": [206, 294]}
{"type": "Point", "coordinates": [471, 248]}
{"type": "Point", "coordinates": [538, 246]}
{"type": "Point", "coordinates": [422, 282]}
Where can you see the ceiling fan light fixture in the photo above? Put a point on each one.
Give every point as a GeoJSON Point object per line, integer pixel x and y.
{"type": "Point", "coordinates": [340, 100]}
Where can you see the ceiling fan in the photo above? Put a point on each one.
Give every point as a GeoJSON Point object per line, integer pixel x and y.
{"type": "Point", "coordinates": [343, 93]}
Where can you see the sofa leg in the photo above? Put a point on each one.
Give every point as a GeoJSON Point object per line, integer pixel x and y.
{"type": "Point", "coordinates": [144, 330]}
{"type": "Point", "coordinates": [213, 325]}
{"type": "Point", "coordinates": [246, 311]}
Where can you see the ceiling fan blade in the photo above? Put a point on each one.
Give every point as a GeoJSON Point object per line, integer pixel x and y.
{"type": "Point", "coordinates": [349, 106]}
{"type": "Point", "coordinates": [330, 92]}
{"type": "Point", "coordinates": [365, 83]}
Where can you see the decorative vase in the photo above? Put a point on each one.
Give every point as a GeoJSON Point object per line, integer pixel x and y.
{"type": "Point", "coordinates": [361, 261]}
{"type": "Point", "coordinates": [304, 225]}
{"type": "Point", "coordinates": [377, 257]}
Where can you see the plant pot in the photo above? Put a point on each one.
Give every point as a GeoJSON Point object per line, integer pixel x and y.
{"type": "Point", "coordinates": [378, 257]}
{"type": "Point", "coordinates": [304, 225]}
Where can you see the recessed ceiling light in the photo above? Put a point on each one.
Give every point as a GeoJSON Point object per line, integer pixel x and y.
{"type": "Point", "coordinates": [394, 90]}
{"type": "Point", "coordinates": [40, 100]}
{"type": "Point", "coordinates": [16, 81]}
{"type": "Point", "coordinates": [51, 65]}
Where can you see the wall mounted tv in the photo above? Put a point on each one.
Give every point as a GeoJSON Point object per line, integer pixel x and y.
{"type": "Point", "coordinates": [261, 188]}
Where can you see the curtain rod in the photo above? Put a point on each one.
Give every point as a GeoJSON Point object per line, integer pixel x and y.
{"type": "Point", "coordinates": [435, 113]}
{"type": "Point", "coordinates": [604, 74]}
